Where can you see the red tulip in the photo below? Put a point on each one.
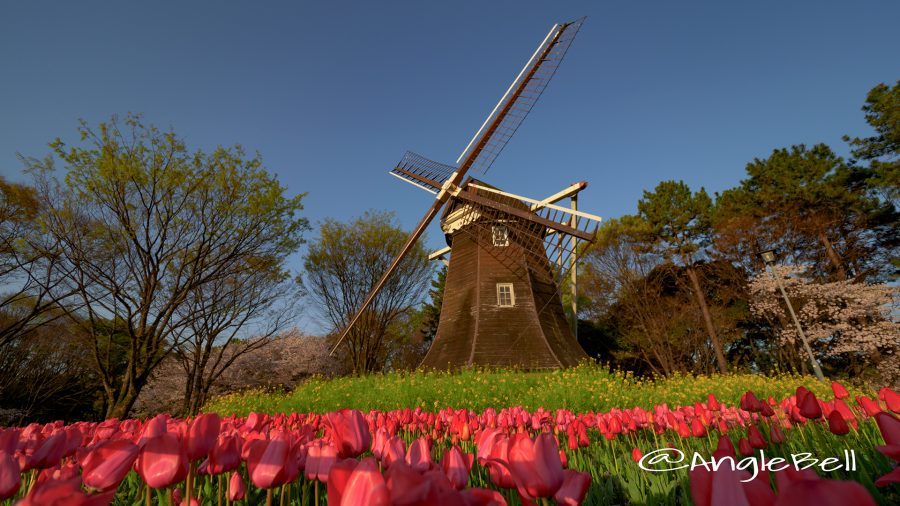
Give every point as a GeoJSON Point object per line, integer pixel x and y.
{"type": "Point", "coordinates": [408, 487]}
{"type": "Point", "coordinates": [744, 447]}
{"type": "Point", "coordinates": [712, 403]}
{"type": "Point", "coordinates": [750, 403]}
{"type": "Point", "coordinates": [836, 424]}
{"type": "Point", "coordinates": [10, 477]}
{"type": "Point", "coordinates": [319, 459]}
{"type": "Point", "coordinates": [535, 464]}
{"type": "Point", "coordinates": [365, 486]}
{"type": "Point", "coordinates": [869, 406]}
{"type": "Point", "coordinates": [349, 432]}
{"type": "Point", "coordinates": [809, 406]}
{"type": "Point", "coordinates": [891, 398]}
{"type": "Point", "coordinates": [636, 454]}
{"type": "Point", "coordinates": [574, 488]}
{"type": "Point", "coordinates": [725, 448]}
{"type": "Point", "coordinates": [162, 461]}
{"type": "Point", "coordinates": [457, 466]}
{"type": "Point", "coordinates": [839, 391]}
{"type": "Point", "coordinates": [890, 432]}
{"type": "Point", "coordinates": [202, 435]}
{"type": "Point", "coordinates": [755, 437]}
{"type": "Point", "coordinates": [236, 489]}
{"type": "Point", "coordinates": [697, 428]}
{"type": "Point", "coordinates": [848, 416]}
{"type": "Point", "coordinates": [776, 434]}
{"type": "Point", "coordinates": [107, 464]}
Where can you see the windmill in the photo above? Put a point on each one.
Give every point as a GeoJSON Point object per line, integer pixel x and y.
{"type": "Point", "coordinates": [508, 253]}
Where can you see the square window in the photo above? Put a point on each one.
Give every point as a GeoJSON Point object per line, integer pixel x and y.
{"type": "Point", "coordinates": [506, 296]}
{"type": "Point", "coordinates": [500, 235]}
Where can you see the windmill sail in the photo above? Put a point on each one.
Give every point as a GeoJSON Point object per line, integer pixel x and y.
{"type": "Point", "coordinates": [423, 172]}
{"type": "Point", "coordinates": [494, 133]}
{"type": "Point", "coordinates": [520, 97]}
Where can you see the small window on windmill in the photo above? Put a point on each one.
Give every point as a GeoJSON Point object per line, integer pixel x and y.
{"type": "Point", "coordinates": [506, 297]}
{"type": "Point", "coordinates": [500, 235]}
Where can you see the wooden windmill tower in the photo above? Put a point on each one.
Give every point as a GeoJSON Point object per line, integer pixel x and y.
{"type": "Point", "coordinates": [508, 253]}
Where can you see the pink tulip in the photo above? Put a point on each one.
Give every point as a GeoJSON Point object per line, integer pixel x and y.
{"type": "Point", "coordinates": [201, 436]}
{"type": "Point", "coordinates": [319, 459]}
{"type": "Point", "coordinates": [457, 466]}
{"type": "Point", "coordinates": [889, 479]}
{"type": "Point", "coordinates": [236, 489]}
{"type": "Point", "coordinates": [50, 451]}
{"type": "Point", "coordinates": [53, 492]}
{"type": "Point", "coordinates": [162, 461]}
{"type": "Point", "coordinates": [349, 432]}
{"type": "Point", "coordinates": [418, 456]}
{"type": "Point", "coordinates": [107, 464]}
{"type": "Point", "coordinates": [365, 486]}
{"type": "Point", "coordinates": [408, 487]}
{"type": "Point", "coordinates": [274, 464]}
{"type": "Point", "coordinates": [574, 488]}
{"type": "Point", "coordinates": [535, 464]}
{"type": "Point", "coordinates": [823, 492]}
{"type": "Point", "coordinates": [225, 456]}
{"type": "Point", "coordinates": [482, 497]}
{"type": "Point", "coordinates": [10, 477]}
{"type": "Point", "coordinates": [394, 451]}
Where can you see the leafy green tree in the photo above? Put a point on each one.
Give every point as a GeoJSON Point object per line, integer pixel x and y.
{"type": "Point", "coordinates": [882, 150]}
{"type": "Point", "coordinates": [431, 309]}
{"type": "Point", "coordinates": [812, 207]}
{"type": "Point", "coordinates": [140, 223]}
{"type": "Point", "coordinates": [340, 268]}
{"type": "Point", "coordinates": [680, 222]}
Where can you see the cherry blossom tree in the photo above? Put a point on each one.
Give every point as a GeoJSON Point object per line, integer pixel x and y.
{"type": "Point", "coordinates": [840, 318]}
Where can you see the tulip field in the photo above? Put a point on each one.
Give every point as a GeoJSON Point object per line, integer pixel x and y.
{"type": "Point", "coordinates": [613, 440]}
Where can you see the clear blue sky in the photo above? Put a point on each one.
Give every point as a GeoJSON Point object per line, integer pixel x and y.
{"type": "Point", "coordinates": [332, 93]}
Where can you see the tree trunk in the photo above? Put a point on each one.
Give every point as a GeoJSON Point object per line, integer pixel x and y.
{"type": "Point", "coordinates": [707, 319]}
{"type": "Point", "coordinates": [833, 256]}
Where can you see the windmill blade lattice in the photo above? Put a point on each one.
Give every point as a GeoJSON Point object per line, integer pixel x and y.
{"type": "Point", "coordinates": [489, 143]}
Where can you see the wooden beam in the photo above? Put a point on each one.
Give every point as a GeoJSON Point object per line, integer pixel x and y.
{"type": "Point", "coordinates": [525, 215]}
{"type": "Point", "coordinates": [421, 179]}
{"type": "Point", "coordinates": [439, 253]}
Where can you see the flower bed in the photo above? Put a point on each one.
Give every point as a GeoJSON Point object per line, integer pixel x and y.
{"type": "Point", "coordinates": [506, 456]}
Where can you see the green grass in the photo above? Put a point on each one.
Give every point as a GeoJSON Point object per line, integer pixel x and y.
{"type": "Point", "coordinates": [581, 389]}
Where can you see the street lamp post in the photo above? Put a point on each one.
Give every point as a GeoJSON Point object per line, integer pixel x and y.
{"type": "Point", "coordinates": [769, 259]}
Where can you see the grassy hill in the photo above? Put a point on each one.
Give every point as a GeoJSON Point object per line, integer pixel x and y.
{"type": "Point", "coordinates": [581, 389]}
